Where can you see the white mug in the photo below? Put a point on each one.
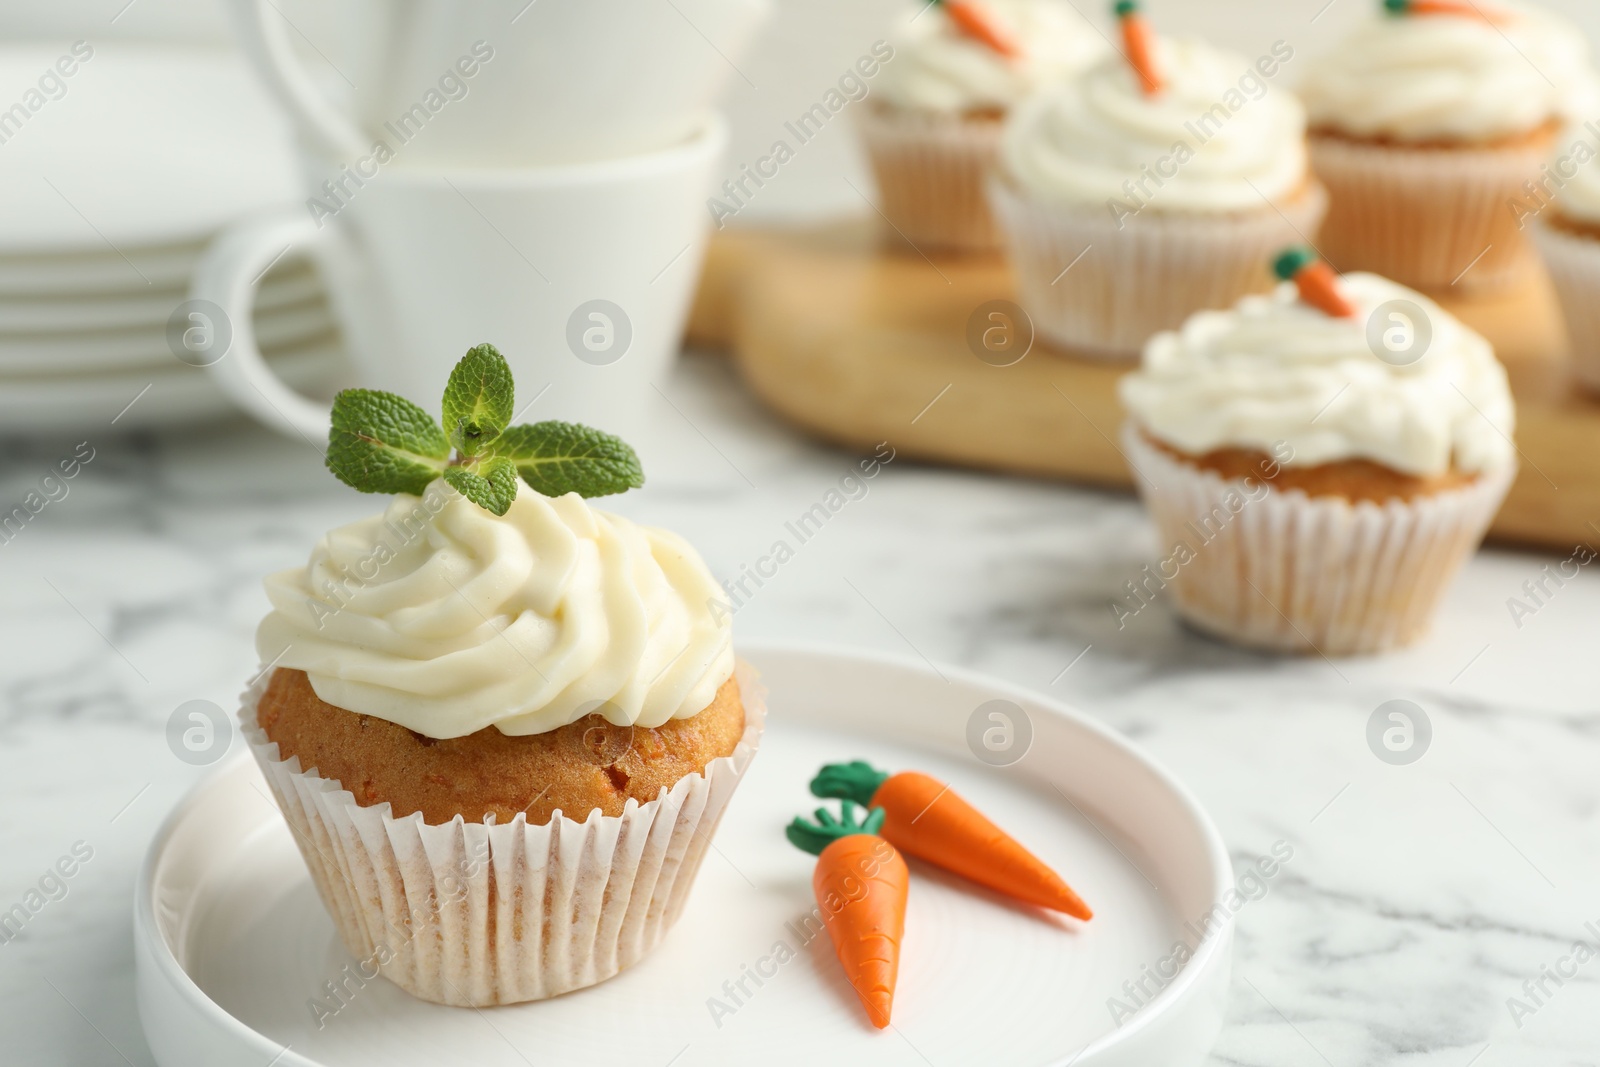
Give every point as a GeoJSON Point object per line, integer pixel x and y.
{"type": "Point", "coordinates": [467, 83]}
{"type": "Point", "coordinates": [581, 275]}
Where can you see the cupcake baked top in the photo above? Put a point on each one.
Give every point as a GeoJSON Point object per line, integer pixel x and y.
{"type": "Point", "coordinates": [1275, 371]}
{"type": "Point", "coordinates": [938, 67]}
{"type": "Point", "coordinates": [1452, 79]}
{"type": "Point", "coordinates": [1216, 138]}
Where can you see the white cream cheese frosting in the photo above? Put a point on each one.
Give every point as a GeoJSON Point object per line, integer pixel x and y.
{"type": "Point", "coordinates": [1447, 78]}
{"type": "Point", "coordinates": [446, 619]}
{"type": "Point", "coordinates": [936, 67]}
{"type": "Point", "coordinates": [1218, 138]}
{"type": "Point", "coordinates": [1577, 165]}
{"type": "Point", "coordinates": [1275, 371]}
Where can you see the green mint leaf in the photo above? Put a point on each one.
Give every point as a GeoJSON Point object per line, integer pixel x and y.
{"type": "Point", "coordinates": [562, 457]}
{"type": "Point", "coordinates": [478, 400]}
{"type": "Point", "coordinates": [382, 443]}
{"type": "Point", "coordinates": [493, 485]}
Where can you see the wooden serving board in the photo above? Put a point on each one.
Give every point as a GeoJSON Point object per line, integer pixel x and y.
{"type": "Point", "coordinates": [858, 341]}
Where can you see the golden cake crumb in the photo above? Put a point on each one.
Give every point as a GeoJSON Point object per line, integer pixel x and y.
{"type": "Point", "coordinates": [1353, 479]}
{"type": "Point", "coordinates": [577, 768]}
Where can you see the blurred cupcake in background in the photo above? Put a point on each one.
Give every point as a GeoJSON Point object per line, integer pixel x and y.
{"type": "Point", "coordinates": [933, 128]}
{"type": "Point", "coordinates": [1568, 236]}
{"type": "Point", "coordinates": [1427, 121]}
{"type": "Point", "coordinates": [1150, 187]}
{"type": "Point", "coordinates": [1320, 461]}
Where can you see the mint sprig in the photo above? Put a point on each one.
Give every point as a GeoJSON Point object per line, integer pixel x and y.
{"type": "Point", "coordinates": [382, 443]}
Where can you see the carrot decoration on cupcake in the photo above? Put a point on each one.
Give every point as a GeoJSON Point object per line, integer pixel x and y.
{"type": "Point", "coordinates": [1317, 282]}
{"type": "Point", "coordinates": [861, 884]}
{"type": "Point", "coordinates": [1464, 8]}
{"type": "Point", "coordinates": [1139, 43]}
{"type": "Point", "coordinates": [973, 18]}
{"type": "Point", "coordinates": [923, 817]}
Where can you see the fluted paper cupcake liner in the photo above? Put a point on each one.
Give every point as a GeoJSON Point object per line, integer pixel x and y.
{"type": "Point", "coordinates": [1429, 218]}
{"type": "Point", "coordinates": [1294, 573]}
{"type": "Point", "coordinates": [477, 914]}
{"type": "Point", "coordinates": [1573, 261]}
{"type": "Point", "coordinates": [931, 171]}
{"type": "Point", "coordinates": [1100, 290]}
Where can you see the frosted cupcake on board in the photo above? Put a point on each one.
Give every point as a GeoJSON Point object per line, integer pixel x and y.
{"type": "Point", "coordinates": [1426, 123]}
{"type": "Point", "coordinates": [1319, 461]}
{"type": "Point", "coordinates": [932, 127]}
{"type": "Point", "coordinates": [1568, 236]}
{"type": "Point", "coordinates": [502, 723]}
{"type": "Point", "coordinates": [1151, 186]}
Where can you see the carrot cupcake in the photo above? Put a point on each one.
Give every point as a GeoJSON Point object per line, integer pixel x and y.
{"type": "Point", "coordinates": [502, 723]}
{"type": "Point", "coordinates": [1318, 472]}
{"type": "Point", "coordinates": [1425, 126]}
{"type": "Point", "coordinates": [933, 128]}
{"type": "Point", "coordinates": [1568, 237]}
{"type": "Point", "coordinates": [1139, 193]}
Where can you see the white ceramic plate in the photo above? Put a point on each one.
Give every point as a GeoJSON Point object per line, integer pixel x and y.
{"type": "Point", "coordinates": [77, 310]}
{"type": "Point", "coordinates": [232, 945]}
{"type": "Point", "coordinates": [148, 145]}
{"type": "Point", "coordinates": [177, 393]}
{"type": "Point", "coordinates": [130, 270]}
{"type": "Point", "coordinates": [144, 347]}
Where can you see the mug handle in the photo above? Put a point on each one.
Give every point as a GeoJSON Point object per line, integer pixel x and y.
{"type": "Point", "coordinates": [261, 32]}
{"type": "Point", "coordinates": [228, 275]}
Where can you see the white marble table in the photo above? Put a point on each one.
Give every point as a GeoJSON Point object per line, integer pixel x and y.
{"type": "Point", "coordinates": [1419, 899]}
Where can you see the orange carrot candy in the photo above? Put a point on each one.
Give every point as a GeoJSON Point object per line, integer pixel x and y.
{"type": "Point", "coordinates": [861, 884]}
{"type": "Point", "coordinates": [926, 819]}
{"type": "Point", "coordinates": [1465, 8]}
{"type": "Point", "coordinates": [1317, 282]}
{"type": "Point", "coordinates": [1139, 44]}
{"type": "Point", "coordinates": [973, 18]}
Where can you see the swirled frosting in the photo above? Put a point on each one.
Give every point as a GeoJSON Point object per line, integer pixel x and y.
{"type": "Point", "coordinates": [1579, 195]}
{"type": "Point", "coordinates": [938, 68]}
{"type": "Point", "coordinates": [444, 618]}
{"type": "Point", "coordinates": [1445, 78]}
{"type": "Point", "coordinates": [1275, 370]}
{"type": "Point", "coordinates": [1218, 138]}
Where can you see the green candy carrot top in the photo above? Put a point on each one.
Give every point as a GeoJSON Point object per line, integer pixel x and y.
{"type": "Point", "coordinates": [814, 837]}
{"type": "Point", "coordinates": [856, 780]}
{"type": "Point", "coordinates": [925, 818]}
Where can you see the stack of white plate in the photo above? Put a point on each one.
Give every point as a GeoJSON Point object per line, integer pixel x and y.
{"type": "Point", "coordinates": [111, 188]}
